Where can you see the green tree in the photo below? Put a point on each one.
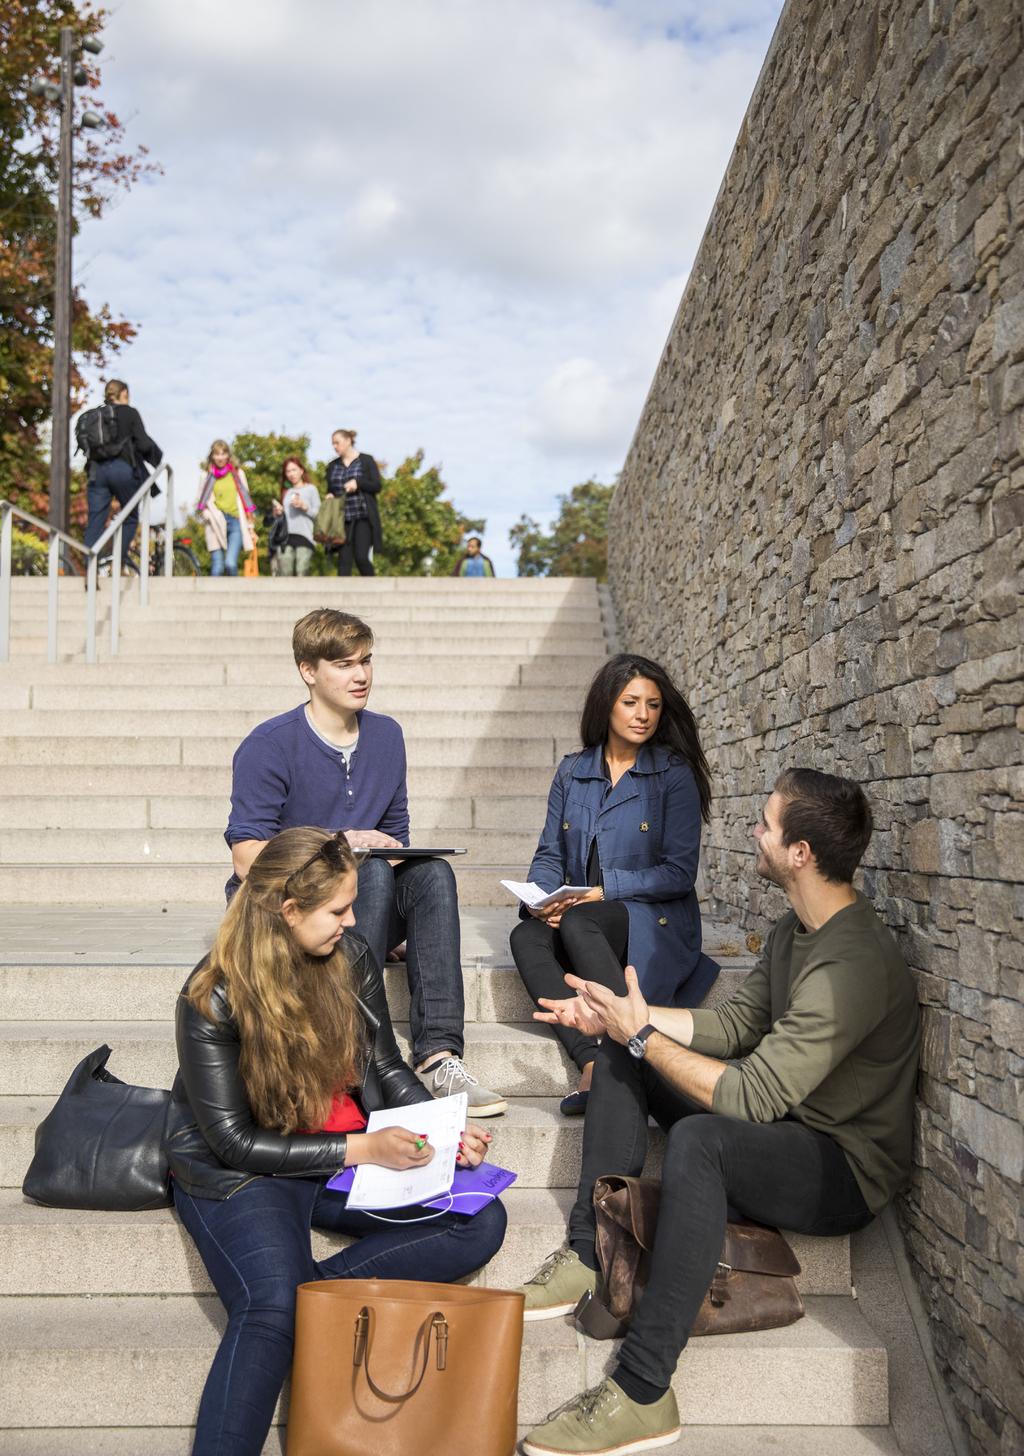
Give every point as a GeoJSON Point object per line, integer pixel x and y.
{"type": "Point", "coordinates": [577, 544]}
{"type": "Point", "coordinates": [423, 532]}
{"type": "Point", "coordinates": [262, 457]}
{"type": "Point", "coordinates": [28, 173]}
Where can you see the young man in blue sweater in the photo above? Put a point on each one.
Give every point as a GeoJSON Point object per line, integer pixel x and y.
{"type": "Point", "coordinates": [334, 764]}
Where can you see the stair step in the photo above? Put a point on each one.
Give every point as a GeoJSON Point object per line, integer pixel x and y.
{"type": "Point", "coordinates": [397, 701]}
{"type": "Point", "coordinates": [184, 784]}
{"type": "Point", "coordinates": [694, 1441]}
{"type": "Point", "coordinates": [190, 884]}
{"type": "Point", "coordinates": [100, 844]}
{"type": "Point", "coordinates": [140, 722]}
{"type": "Point", "coordinates": [456, 752]}
{"type": "Point", "coordinates": [517, 1060]}
{"type": "Point", "coordinates": [141, 992]}
{"type": "Point", "coordinates": [502, 670]}
{"type": "Point", "coordinates": [142, 1361]}
{"type": "Point", "coordinates": [210, 811]}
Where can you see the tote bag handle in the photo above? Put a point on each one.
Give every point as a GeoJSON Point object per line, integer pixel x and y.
{"type": "Point", "coordinates": [435, 1324]}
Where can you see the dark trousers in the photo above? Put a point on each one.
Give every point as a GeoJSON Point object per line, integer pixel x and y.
{"type": "Point", "coordinates": [359, 540]}
{"type": "Point", "coordinates": [779, 1173]}
{"type": "Point", "coordinates": [110, 480]}
{"type": "Point", "coordinates": [591, 941]}
{"type": "Point", "coordinates": [256, 1249]}
{"type": "Point", "coordinates": [416, 901]}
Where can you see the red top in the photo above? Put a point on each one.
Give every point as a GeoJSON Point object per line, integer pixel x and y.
{"type": "Point", "coordinates": [345, 1115]}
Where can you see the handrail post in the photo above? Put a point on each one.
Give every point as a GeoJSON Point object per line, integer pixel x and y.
{"type": "Point", "coordinates": [52, 600]}
{"type": "Point", "coordinates": [90, 607]}
{"type": "Point", "coordinates": [6, 537]}
{"type": "Point", "coordinates": [169, 525]}
{"type": "Point", "coordinates": [144, 552]}
{"type": "Point", "coordinates": [115, 590]}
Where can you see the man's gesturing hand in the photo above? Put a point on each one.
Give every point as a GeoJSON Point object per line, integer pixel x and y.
{"type": "Point", "coordinates": [621, 1016]}
{"type": "Point", "coordinates": [573, 1012]}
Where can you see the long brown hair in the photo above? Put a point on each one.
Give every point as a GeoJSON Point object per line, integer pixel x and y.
{"type": "Point", "coordinates": [301, 1031]}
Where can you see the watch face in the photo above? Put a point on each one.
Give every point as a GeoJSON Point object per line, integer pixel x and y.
{"type": "Point", "coordinates": [636, 1046]}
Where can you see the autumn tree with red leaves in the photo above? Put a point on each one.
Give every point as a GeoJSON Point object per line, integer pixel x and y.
{"type": "Point", "coordinates": [29, 41]}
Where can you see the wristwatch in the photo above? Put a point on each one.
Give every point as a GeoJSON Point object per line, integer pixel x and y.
{"type": "Point", "coordinates": [637, 1045]}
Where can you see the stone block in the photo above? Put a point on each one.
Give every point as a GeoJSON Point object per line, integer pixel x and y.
{"type": "Point", "coordinates": [996, 1139]}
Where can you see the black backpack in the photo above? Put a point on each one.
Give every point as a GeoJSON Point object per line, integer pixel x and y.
{"type": "Point", "coordinates": [96, 434]}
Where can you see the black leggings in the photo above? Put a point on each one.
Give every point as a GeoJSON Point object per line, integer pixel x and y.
{"type": "Point", "coordinates": [359, 539]}
{"type": "Point", "coordinates": [779, 1173]}
{"type": "Point", "coordinates": [591, 941]}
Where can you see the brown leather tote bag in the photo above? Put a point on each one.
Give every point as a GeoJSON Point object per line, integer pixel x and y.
{"type": "Point", "coordinates": [393, 1367]}
{"type": "Point", "coordinates": [754, 1286]}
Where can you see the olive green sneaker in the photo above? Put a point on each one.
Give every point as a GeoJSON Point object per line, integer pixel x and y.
{"type": "Point", "coordinates": [557, 1285]}
{"type": "Point", "coordinates": [605, 1420]}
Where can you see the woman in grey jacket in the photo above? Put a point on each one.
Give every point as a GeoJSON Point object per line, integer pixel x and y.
{"type": "Point", "coordinates": [624, 817]}
{"type": "Point", "coordinates": [284, 1046]}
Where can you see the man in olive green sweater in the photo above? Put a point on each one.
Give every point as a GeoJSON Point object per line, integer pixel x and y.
{"type": "Point", "coordinates": [792, 1104]}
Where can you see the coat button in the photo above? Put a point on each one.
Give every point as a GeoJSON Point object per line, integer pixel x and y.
{"type": "Point", "coordinates": [644, 827]}
{"type": "Point", "coordinates": [565, 823]}
{"type": "Point", "coordinates": [662, 919]}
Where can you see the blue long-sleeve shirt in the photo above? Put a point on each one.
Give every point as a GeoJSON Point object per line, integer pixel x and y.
{"type": "Point", "coordinates": [284, 774]}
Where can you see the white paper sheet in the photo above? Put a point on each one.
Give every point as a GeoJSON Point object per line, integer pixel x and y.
{"type": "Point", "coordinates": [535, 898]}
{"type": "Point", "coordinates": [444, 1121]}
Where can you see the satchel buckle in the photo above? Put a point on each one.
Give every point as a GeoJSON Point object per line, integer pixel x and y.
{"type": "Point", "coordinates": [362, 1330]}
{"type": "Point", "coordinates": [441, 1335]}
{"type": "Point", "coordinates": [717, 1292]}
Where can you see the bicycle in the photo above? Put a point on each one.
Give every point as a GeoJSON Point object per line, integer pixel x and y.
{"type": "Point", "coordinates": [184, 562]}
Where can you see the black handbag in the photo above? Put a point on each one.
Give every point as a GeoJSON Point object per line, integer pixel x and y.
{"type": "Point", "coordinates": [102, 1144]}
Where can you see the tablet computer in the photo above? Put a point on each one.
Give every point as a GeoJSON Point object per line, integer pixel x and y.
{"type": "Point", "coordinates": [407, 853]}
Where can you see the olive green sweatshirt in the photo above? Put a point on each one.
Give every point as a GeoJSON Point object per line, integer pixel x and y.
{"type": "Point", "coordinates": [826, 1030]}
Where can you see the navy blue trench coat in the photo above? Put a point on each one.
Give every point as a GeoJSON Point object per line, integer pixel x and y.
{"type": "Point", "coordinates": [648, 837]}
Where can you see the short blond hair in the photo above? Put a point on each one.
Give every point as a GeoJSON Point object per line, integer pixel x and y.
{"type": "Point", "coordinates": [327, 633]}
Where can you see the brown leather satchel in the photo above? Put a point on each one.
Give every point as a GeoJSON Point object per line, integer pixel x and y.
{"type": "Point", "coordinates": [753, 1288]}
{"type": "Point", "coordinates": [386, 1367]}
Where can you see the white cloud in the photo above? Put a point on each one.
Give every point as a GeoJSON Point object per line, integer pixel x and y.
{"type": "Point", "coordinates": [457, 226]}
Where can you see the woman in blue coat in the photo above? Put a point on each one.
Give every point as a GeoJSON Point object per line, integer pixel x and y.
{"type": "Point", "coordinates": [624, 817]}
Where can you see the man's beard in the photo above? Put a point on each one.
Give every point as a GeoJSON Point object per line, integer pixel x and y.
{"type": "Point", "coordinates": [769, 870]}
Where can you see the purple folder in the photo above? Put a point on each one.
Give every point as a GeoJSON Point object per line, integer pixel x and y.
{"type": "Point", "coordinates": [471, 1190]}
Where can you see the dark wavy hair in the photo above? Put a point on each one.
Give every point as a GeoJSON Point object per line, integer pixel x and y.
{"type": "Point", "coordinates": [677, 727]}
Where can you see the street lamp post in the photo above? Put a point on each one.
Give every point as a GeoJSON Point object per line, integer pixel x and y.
{"type": "Point", "coordinates": [71, 75]}
{"type": "Point", "coordinates": [60, 477]}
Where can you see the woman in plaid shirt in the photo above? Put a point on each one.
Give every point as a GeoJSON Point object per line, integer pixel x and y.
{"type": "Point", "coordinates": [356, 476]}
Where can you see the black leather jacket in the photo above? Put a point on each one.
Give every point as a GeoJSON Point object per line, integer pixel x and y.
{"type": "Point", "coordinates": [214, 1144]}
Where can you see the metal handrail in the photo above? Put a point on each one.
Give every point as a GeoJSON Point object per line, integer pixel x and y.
{"type": "Point", "coordinates": [114, 531]}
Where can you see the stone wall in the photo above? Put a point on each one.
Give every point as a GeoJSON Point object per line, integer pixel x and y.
{"type": "Point", "coordinates": [819, 528]}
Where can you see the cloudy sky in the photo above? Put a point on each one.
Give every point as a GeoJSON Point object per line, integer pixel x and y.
{"type": "Point", "coordinates": [456, 225]}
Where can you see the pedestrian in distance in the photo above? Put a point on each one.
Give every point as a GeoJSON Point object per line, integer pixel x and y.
{"type": "Point", "coordinates": [624, 818]}
{"type": "Point", "coordinates": [298, 506]}
{"type": "Point", "coordinates": [285, 1046]}
{"type": "Point", "coordinates": [117, 450]}
{"type": "Point", "coordinates": [333, 761]}
{"type": "Point", "coordinates": [354, 475]}
{"type": "Point", "coordinates": [473, 562]}
{"type": "Point", "coordinates": [227, 509]}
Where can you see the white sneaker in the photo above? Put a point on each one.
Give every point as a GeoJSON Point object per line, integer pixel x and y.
{"type": "Point", "coordinates": [451, 1075]}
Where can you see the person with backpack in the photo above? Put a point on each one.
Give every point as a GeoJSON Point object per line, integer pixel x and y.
{"type": "Point", "coordinates": [227, 509]}
{"type": "Point", "coordinates": [117, 449]}
{"type": "Point", "coordinates": [355, 478]}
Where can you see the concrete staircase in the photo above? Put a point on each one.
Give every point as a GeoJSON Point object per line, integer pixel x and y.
{"type": "Point", "coordinates": [114, 782]}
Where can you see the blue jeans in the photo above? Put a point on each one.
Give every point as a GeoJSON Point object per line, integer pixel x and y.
{"type": "Point", "coordinates": [222, 562]}
{"type": "Point", "coordinates": [110, 480]}
{"type": "Point", "coordinates": [256, 1249]}
{"type": "Point", "coordinates": [417, 901]}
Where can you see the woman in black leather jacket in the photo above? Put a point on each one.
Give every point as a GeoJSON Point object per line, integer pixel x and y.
{"type": "Point", "coordinates": [284, 1044]}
